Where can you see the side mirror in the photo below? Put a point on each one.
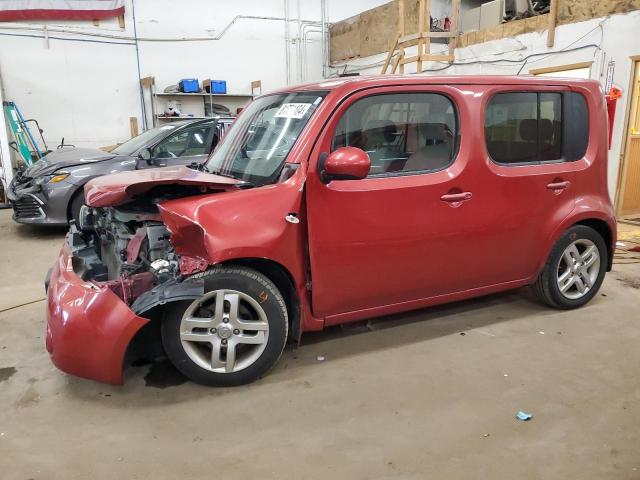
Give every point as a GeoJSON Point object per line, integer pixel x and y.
{"type": "Point", "coordinates": [145, 154]}
{"type": "Point", "coordinates": [345, 163]}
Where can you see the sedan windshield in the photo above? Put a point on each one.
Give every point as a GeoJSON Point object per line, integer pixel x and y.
{"type": "Point", "coordinates": [136, 143]}
{"type": "Point", "coordinates": [257, 145]}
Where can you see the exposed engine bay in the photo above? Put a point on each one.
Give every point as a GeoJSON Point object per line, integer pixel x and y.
{"type": "Point", "coordinates": [126, 249]}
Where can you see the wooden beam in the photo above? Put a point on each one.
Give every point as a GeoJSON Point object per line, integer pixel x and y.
{"type": "Point", "coordinates": [561, 68]}
{"type": "Point", "coordinates": [147, 81]}
{"type": "Point", "coordinates": [455, 14]}
{"type": "Point", "coordinates": [401, 31]}
{"type": "Point", "coordinates": [396, 63]}
{"type": "Point", "coordinates": [427, 46]}
{"type": "Point", "coordinates": [553, 15]}
{"type": "Point", "coordinates": [421, 8]}
{"type": "Point", "coordinates": [390, 54]}
{"type": "Point", "coordinates": [412, 37]}
{"type": "Point", "coordinates": [133, 124]}
{"type": "Point", "coordinates": [426, 58]}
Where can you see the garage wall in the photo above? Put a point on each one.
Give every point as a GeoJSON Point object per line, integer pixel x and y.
{"type": "Point", "coordinates": [599, 40]}
{"type": "Point", "coordinates": [85, 87]}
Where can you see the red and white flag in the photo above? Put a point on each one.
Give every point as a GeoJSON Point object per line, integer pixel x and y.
{"type": "Point", "coordinates": [16, 10]}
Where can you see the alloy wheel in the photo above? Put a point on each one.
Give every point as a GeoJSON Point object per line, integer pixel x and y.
{"type": "Point", "coordinates": [224, 331]}
{"type": "Point", "coordinates": [578, 269]}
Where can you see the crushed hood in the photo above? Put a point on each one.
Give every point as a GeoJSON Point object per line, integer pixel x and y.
{"type": "Point", "coordinates": [120, 188]}
{"type": "Point", "coordinates": [66, 157]}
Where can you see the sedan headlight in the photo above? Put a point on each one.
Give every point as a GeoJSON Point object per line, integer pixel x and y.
{"type": "Point", "coordinates": [58, 177]}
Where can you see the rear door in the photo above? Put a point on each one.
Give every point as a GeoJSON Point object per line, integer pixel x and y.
{"type": "Point", "coordinates": [533, 140]}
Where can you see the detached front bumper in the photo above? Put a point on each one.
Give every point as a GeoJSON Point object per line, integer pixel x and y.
{"type": "Point", "coordinates": [88, 328]}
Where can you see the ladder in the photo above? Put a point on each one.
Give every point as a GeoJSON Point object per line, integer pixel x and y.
{"type": "Point", "coordinates": [25, 144]}
{"type": "Point", "coordinates": [396, 58]}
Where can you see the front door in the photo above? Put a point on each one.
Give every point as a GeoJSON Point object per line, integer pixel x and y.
{"type": "Point", "coordinates": [418, 226]}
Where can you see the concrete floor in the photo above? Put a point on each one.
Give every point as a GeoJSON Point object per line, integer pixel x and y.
{"type": "Point", "coordinates": [430, 394]}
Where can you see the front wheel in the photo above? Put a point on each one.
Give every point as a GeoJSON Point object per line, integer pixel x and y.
{"type": "Point", "coordinates": [574, 270]}
{"type": "Point", "coordinates": [233, 334]}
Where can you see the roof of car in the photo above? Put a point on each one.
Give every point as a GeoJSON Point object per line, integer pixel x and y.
{"type": "Point", "coordinates": [364, 81]}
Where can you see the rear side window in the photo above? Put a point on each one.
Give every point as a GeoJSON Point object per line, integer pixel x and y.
{"type": "Point", "coordinates": [402, 133]}
{"type": "Point", "coordinates": [532, 127]}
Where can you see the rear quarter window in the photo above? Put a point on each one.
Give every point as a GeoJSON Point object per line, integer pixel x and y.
{"type": "Point", "coordinates": [536, 127]}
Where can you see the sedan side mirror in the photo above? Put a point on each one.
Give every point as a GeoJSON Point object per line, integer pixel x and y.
{"type": "Point", "coordinates": [144, 155]}
{"type": "Point", "coordinates": [345, 163]}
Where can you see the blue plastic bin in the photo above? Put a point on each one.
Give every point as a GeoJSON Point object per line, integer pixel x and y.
{"type": "Point", "coordinates": [218, 86]}
{"type": "Point", "coordinates": [189, 85]}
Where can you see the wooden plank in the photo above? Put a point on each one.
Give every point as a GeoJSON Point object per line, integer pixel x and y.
{"type": "Point", "coordinates": [631, 196]}
{"type": "Point", "coordinates": [426, 58]}
{"type": "Point", "coordinates": [147, 81]}
{"type": "Point", "coordinates": [121, 21]}
{"type": "Point", "coordinates": [421, 6]}
{"type": "Point", "coordinates": [416, 36]}
{"type": "Point", "coordinates": [390, 54]}
{"type": "Point", "coordinates": [133, 125]}
{"type": "Point", "coordinates": [437, 58]}
{"type": "Point", "coordinates": [427, 46]}
{"type": "Point", "coordinates": [553, 14]}
{"type": "Point", "coordinates": [396, 63]}
{"type": "Point", "coordinates": [560, 68]}
{"type": "Point", "coordinates": [401, 31]}
{"type": "Point", "coordinates": [345, 40]}
{"type": "Point", "coordinates": [455, 14]}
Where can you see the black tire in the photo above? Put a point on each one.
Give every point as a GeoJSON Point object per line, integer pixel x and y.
{"type": "Point", "coordinates": [546, 286]}
{"type": "Point", "coordinates": [76, 205]}
{"type": "Point", "coordinates": [252, 284]}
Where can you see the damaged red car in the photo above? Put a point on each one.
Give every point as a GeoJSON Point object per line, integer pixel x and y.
{"type": "Point", "coordinates": [331, 203]}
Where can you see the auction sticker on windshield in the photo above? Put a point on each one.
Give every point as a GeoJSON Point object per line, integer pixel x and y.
{"type": "Point", "coordinates": [293, 110]}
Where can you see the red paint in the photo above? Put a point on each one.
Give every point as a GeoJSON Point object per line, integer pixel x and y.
{"type": "Point", "coordinates": [119, 188]}
{"type": "Point", "coordinates": [348, 163]}
{"type": "Point", "coordinates": [190, 265]}
{"type": "Point", "coordinates": [58, 14]}
{"type": "Point", "coordinates": [88, 328]}
{"type": "Point", "coordinates": [133, 247]}
{"type": "Point", "coordinates": [373, 246]}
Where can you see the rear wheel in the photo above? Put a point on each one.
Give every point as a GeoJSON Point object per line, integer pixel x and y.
{"type": "Point", "coordinates": [574, 270]}
{"type": "Point", "coordinates": [231, 335]}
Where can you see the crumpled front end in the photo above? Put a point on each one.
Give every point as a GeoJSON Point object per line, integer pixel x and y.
{"type": "Point", "coordinates": [34, 202]}
{"type": "Point", "coordinates": [88, 327]}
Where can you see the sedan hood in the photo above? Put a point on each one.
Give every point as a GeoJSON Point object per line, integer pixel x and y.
{"type": "Point", "coordinates": [66, 157]}
{"type": "Point", "coordinates": [119, 188]}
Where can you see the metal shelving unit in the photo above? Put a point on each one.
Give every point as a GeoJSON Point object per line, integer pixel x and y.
{"type": "Point", "coordinates": [230, 100]}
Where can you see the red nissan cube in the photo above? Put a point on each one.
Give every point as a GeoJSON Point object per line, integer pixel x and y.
{"type": "Point", "coordinates": [334, 202]}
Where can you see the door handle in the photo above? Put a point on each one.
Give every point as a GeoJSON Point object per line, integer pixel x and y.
{"type": "Point", "coordinates": [557, 186]}
{"type": "Point", "coordinates": [456, 197]}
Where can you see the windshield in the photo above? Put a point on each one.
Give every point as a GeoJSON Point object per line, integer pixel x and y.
{"type": "Point", "coordinates": [136, 143]}
{"type": "Point", "coordinates": [257, 145]}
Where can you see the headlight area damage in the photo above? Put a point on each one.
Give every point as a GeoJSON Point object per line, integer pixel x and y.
{"type": "Point", "coordinates": [117, 266]}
